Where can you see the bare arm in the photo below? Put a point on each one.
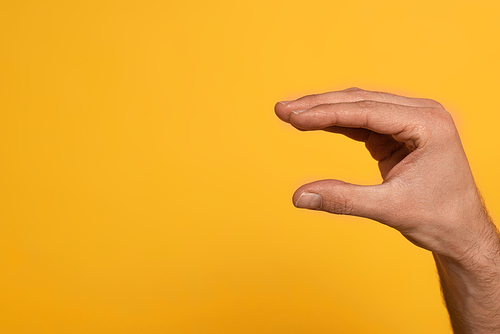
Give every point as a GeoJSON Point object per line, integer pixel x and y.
{"type": "Point", "coordinates": [471, 288]}
{"type": "Point", "coordinates": [428, 192]}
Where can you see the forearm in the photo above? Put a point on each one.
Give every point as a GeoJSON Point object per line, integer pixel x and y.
{"type": "Point", "coordinates": [471, 288]}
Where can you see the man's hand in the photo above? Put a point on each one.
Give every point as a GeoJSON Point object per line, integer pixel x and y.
{"type": "Point", "coordinates": [428, 192]}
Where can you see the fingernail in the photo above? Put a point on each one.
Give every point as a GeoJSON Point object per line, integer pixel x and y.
{"type": "Point", "coordinates": [299, 111]}
{"type": "Point", "coordinates": [309, 201]}
{"type": "Point", "coordinates": [285, 102]}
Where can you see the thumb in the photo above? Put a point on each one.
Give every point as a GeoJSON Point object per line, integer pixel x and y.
{"type": "Point", "coordinates": [342, 198]}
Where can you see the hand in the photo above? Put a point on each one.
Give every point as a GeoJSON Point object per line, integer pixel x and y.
{"type": "Point", "coordinates": [428, 192]}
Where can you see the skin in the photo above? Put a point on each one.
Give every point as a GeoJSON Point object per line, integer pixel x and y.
{"type": "Point", "coordinates": [428, 192]}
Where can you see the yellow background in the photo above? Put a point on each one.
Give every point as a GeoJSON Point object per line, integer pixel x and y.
{"type": "Point", "coordinates": [146, 183]}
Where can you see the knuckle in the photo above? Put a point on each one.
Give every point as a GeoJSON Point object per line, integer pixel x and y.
{"type": "Point", "coordinates": [358, 95]}
{"type": "Point", "coordinates": [447, 123]}
{"type": "Point", "coordinates": [361, 94]}
{"type": "Point", "coordinates": [353, 89]}
{"type": "Point", "coordinates": [434, 104]}
{"type": "Point", "coordinates": [447, 118]}
{"type": "Point", "coordinates": [443, 117]}
{"type": "Point", "coordinates": [441, 121]}
{"type": "Point", "coordinates": [366, 104]}
{"type": "Point", "coordinates": [343, 205]}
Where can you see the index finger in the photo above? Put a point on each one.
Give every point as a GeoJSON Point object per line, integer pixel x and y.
{"type": "Point", "coordinates": [404, 123]}
{"type": "Point", "coordinates": [283, 109]}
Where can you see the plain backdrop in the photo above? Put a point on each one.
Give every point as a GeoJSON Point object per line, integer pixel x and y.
{"type": "Point", "coordinates": [146, 183]}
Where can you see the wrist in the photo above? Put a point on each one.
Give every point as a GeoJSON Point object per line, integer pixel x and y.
{"type": "Point", "coordinates": [474, 267]}
{"type": "Point", "coordinates": [480, 254]}
{"type": "Point", "coordinates": [473, 240]}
